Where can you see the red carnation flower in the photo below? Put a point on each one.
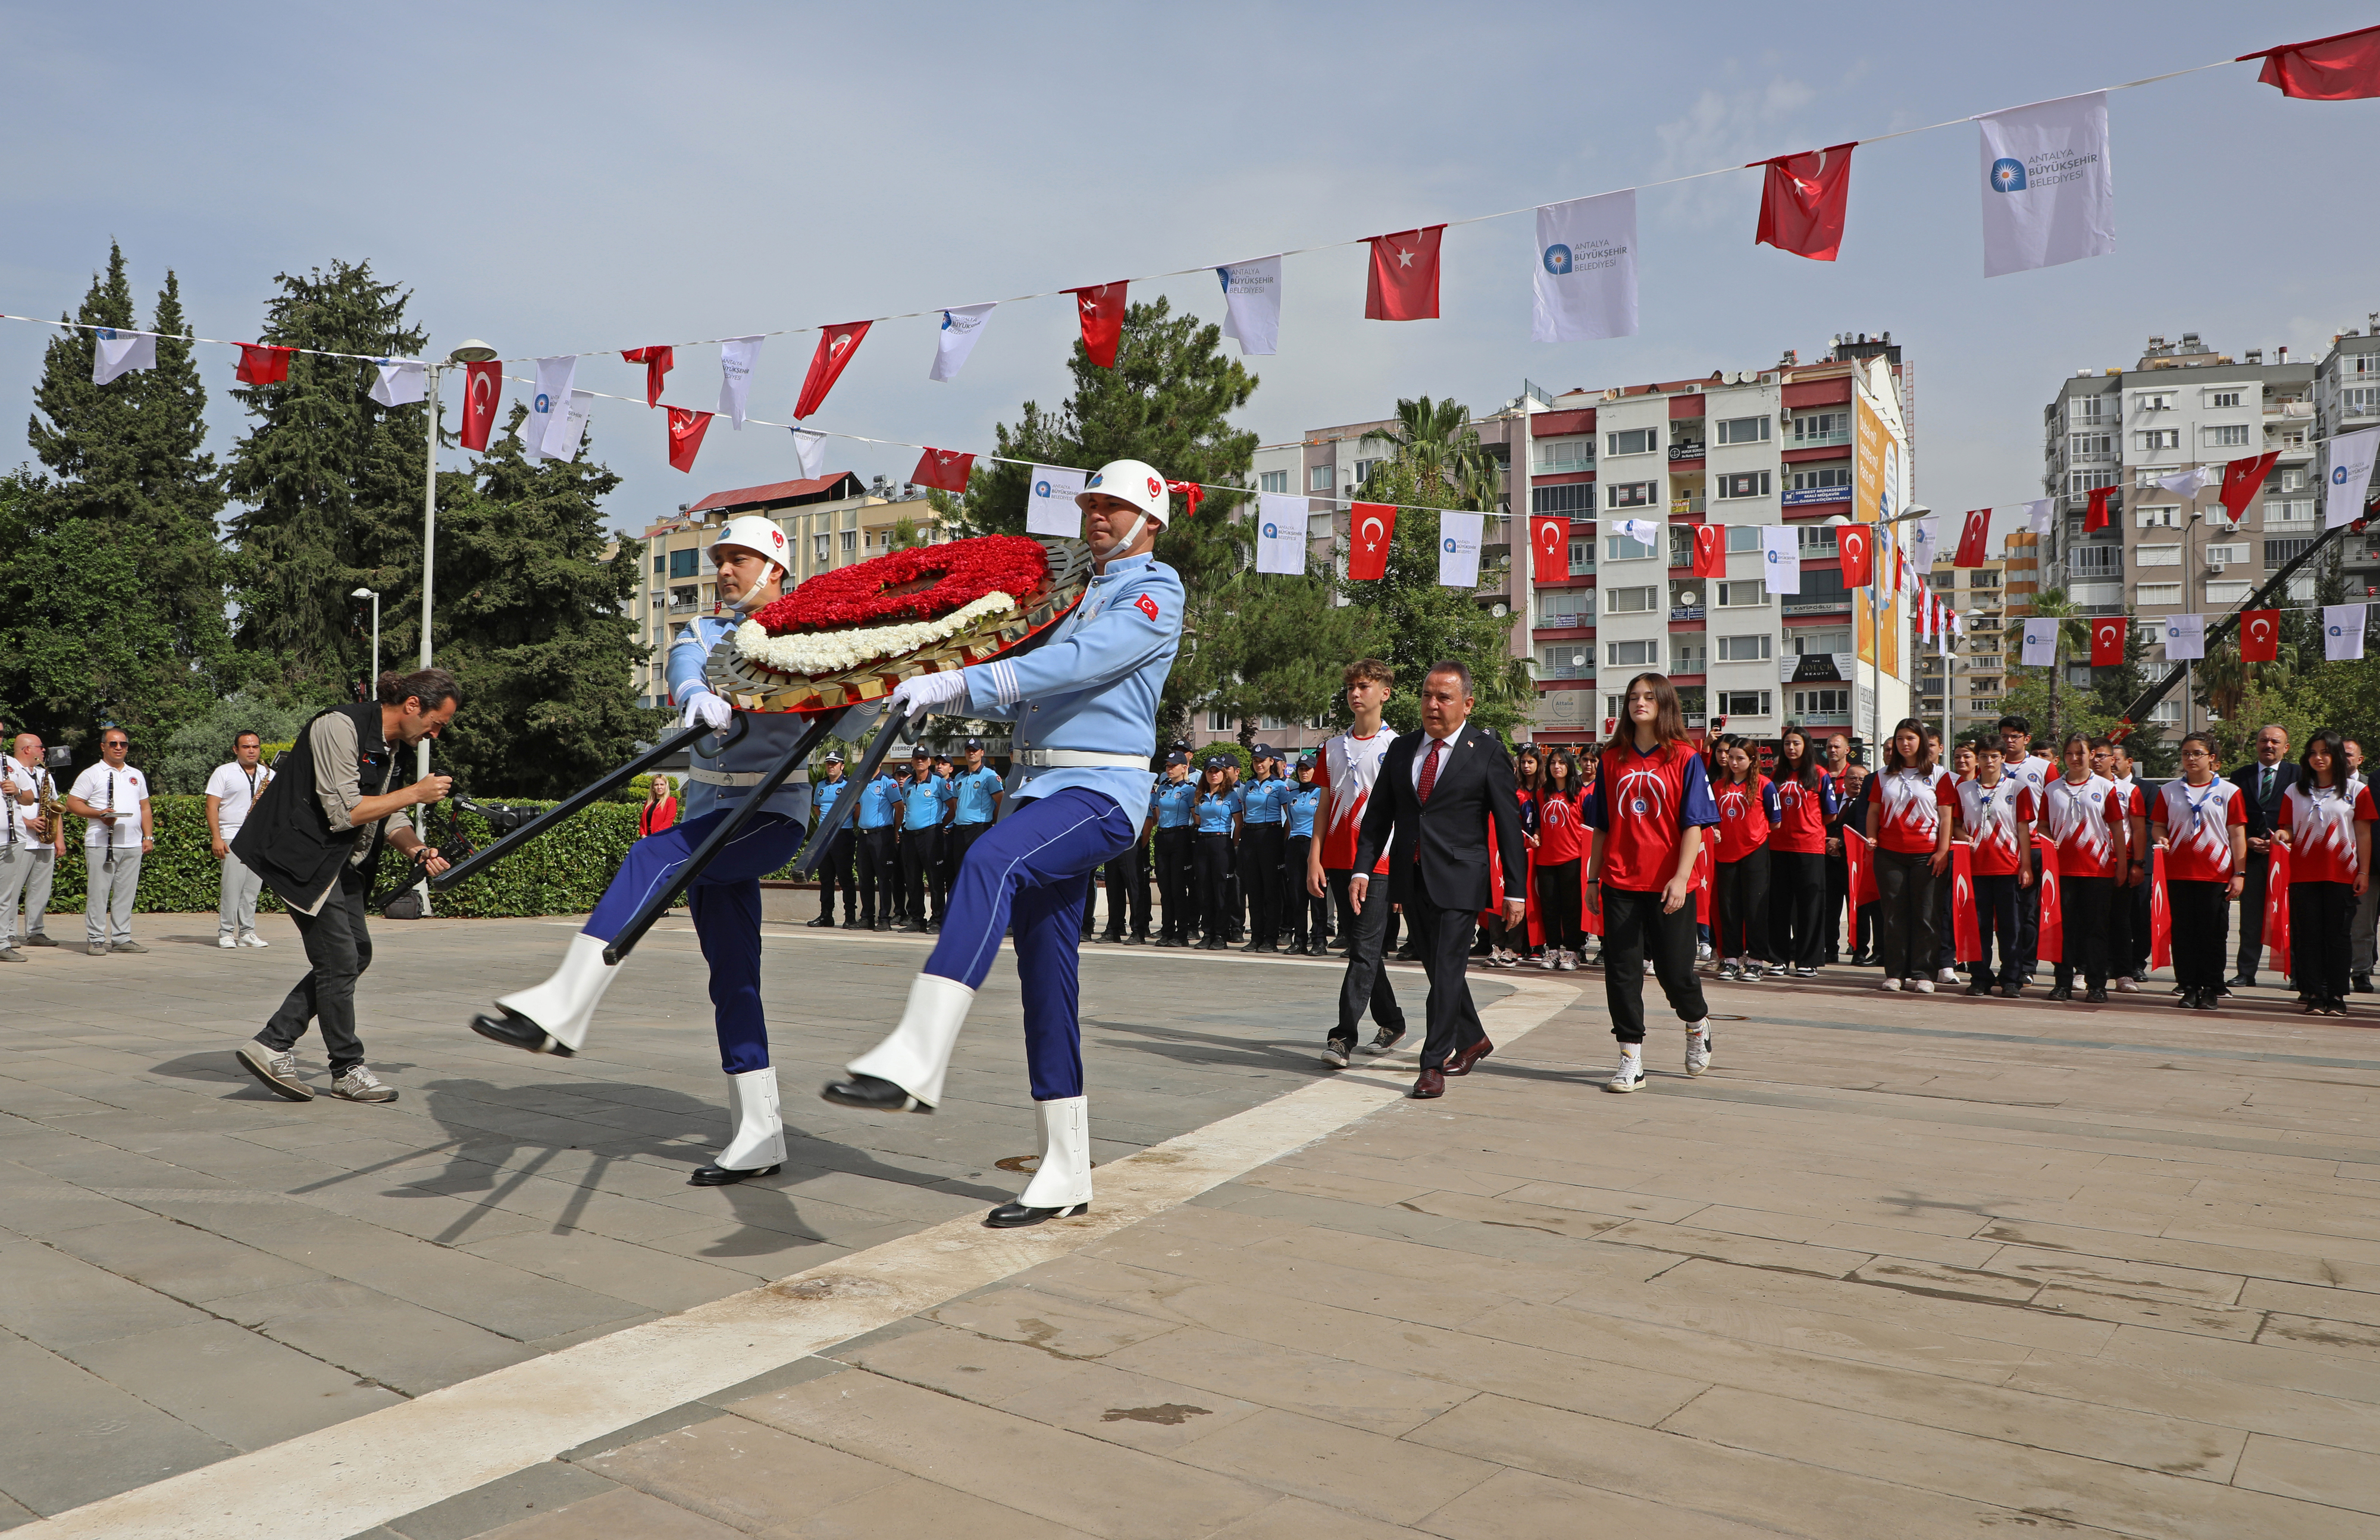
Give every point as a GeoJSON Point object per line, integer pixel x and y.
{"type": "Point", "coordinates": [923, 582]}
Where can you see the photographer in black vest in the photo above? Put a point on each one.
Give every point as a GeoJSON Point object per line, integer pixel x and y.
{"type": "Point", "coordinates": [316, 844]}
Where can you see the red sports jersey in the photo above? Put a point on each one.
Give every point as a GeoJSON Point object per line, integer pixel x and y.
{"type": "Point", "coordinates": [2087, 822]}
{"type": "Point", "coordinates": [1349, 766]}
{"type": "Point", "coordinates": [1645, 802]}
{"type": "Point", "coordinates": [1912, 802]}
{"type": "Point", "coordinates": [1802, 817]}
{"type": "Point", "coordinates": [2322, 831]}
{"type": "Point", "coordinates": [1561, 829]}
{"type": "Point", "coordinates": [1990, 816]}
{"type": "Point", "coordinates": [1745, 816]}
{"type": "Point", "coordinates": [2198, 822]}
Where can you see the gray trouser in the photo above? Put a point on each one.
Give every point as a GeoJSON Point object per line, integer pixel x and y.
{"type": "Point", "coordinates": [2360, 937]}
{"type": "Point", "coordinates": [108, 895]}
{"type": "Point", "coordinates": [235, 910]}
{"type": "Point", "coordinates": [25, 873]}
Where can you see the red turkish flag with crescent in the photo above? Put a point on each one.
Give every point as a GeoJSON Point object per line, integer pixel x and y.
{"type": "Point", "coordinates": [2337, 69]}
{"type": "Point", "coordinates": [1855, 550]}
{"type": "Point", "coordinates": [942, 469]}
{"type": "Point", "coordinates": [1966, 935]}
{"type": "Point", "coordinates": [2277, 907]}
{"type": "Point", "coordinates": [1370, 527]}
{"type": "Point", "coordinates": [1802, 201]}
{"type": "Point", "coordinates": [1861, 870]}
{"type": "Point", "coordinates": [658, 362]}
{"type": "Point", "coordinates": [1972, 535]}
{"type": "Point", "coordinates": [262, 364]}
{"type": "Point", "coordinates": [1100, 306]}
{"type": "Point", "coordinates": [2240, 481]}
{"type": "Point", "coordinates": [2160, 914]}
{"type": "Point", "coordinates": [685, 431]}
{"type": "Point", "coordinates": [836, 345]}
{"type": "Point", "coordinates": [2053, 911]}
{"type": "Point", "coordinates": [2095, 516]}
{"type": "Point", "coordinates": [483, 391]}
{"type": "Point", "coordinates": [2107, 642]}
{"type": "Point", "coordinates": [1403, 285]}
{"type": "Point", "coordinates": [1549, 549]}
{"type": "Point", "coordinates": [2260, 636]}
{"type": "Point", "coordinates": [1704, 867]}
{"type": "Point", "coordinates": [1710, 551]}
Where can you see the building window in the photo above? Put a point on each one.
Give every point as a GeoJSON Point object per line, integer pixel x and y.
{"type": "Point", "coordinates": [2095, 561]}
{"type": "Point", "coordinates": [821, 550]}
{"type": "Point", "coordinates": [1570, 497]}
{"type": "Point", "coordinates": [1629, 494]}
{"type": "Point", "coordinates": [1643, 654]}
{"type": "Point", "coordinates": [1634, 440]}
{"type": "Point", "coordinates": [2165, 713]}
{"type": "Point", "coordinates": [1822, 703]}
{"type": "Point", "coordinates": [2224, 398]}
{"type": "Point", "coordinates": [1820, 428]}
{"type": "Point", "coordinates": [1620, 547]}
{"type": "Point", "coordinates": [2158, 555]}
{"type": "Point", "coordinates": [1686, 657]}
{"type": "Point", "coordinates": [1321, 479]}
{"type": "Point", "coordinates": [2080, 481]}
{"type": "Point", "coordinates": [1741, 594]}
{"type": "Point", "coordinates": [1744, 483]}
{"type": "Point", "coordinates": [660, 564]}
{"type": "Point", "coordinates": [1817, 541]}
{"type": "Point", "coordinates": [2229, 593]}
{"type": "Point", "coordinates": [2158, 438]}
{"type": "Point", "coordinates": [1630, 601]}
{"type": "Point", "coordinates": [2153, 401]}
{"type": "Point", "coordinates": [1272, 480]}
{"type": "Point", "coordinates": [682, 598]}
{"type": "Point", "coordinates": [1742, 536]}
{"type": "Point", "coordinates": [1744, 649]}
{"type": "Point", "coordinates": [1743, 429]}
{"type": "Point", "coordinates": [1364, 470]}
{"type": "Point", "coordinates": [1564, 455]}
{"type": "Point", "coordinates": [2232, 555]}
{"type": "Point", "coordinates": [2082, 445]}
{"type": "Point", "coordinates": [1582, 555]}
{"type": "Point", "coordinates": [1743, 703]}
{"type": "Point", "coordinates": [2293, 511]}
{"type": "Point", "coordinates": [2090, 409]}
{"type": "Point", "coordinates": [2359, 400]}
{"type": "Point", "coordinates": [851, 542]}
{"type": "Point", "coordinates": [1220, 721]}
{"type": "Point", "coordinates": [1820, 477]}
{"type": "Point", "coordinates": [2158, 593]}
{"type": "Point", "coordinates": [1812, 639]}
{"type": "Point", "coordinates": [2233, 435]}
{"type": "Point", "coordinates": [685, 564]}
{"type": "Point", "coordinates": [2281, 552]}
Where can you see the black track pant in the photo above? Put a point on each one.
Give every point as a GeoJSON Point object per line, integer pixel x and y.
{"type": "Point", "coordinates": [1634, 927]}
{"type": "Point", "coordinates": [1905, 912]}
{"type": "Point", "coordinates": [1366, 984]}
{"type": "Point", "coordinates": [1560, 902]}
{"type": "Point", "coordinates": [2202, 927]}
{"type": "Point", "coordinates": [2320, 915]}
{"type": "Point", "coordinates": [921, 869]}
{"type": "Point", "coordinates": [1308, 916]}
{"type": "Point", "coordinates": [2083, 906]}
{"type": "Point", "coordinates": [1740, 895]}
{"type": "Point", "coordinates": [1797, 886]}
{"type": "Point", "coordinates": [879, 875]}
{"type": "Point", "coordinates": [835, 872]}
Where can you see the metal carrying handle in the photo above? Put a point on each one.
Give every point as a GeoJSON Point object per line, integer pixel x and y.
{"type": "Point", "coordinates": [845, 807]}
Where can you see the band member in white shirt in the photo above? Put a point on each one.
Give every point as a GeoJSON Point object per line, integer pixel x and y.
{"type": "Point", "coordinates": [114, 797]}
{"type": "Point", "coordinates": [31, 845]}
{"type": "Point", "coordinates": [231, 791]}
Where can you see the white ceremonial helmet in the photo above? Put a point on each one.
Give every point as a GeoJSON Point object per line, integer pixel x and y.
{"type": "Point", "coordinates": [1132, 482]}
{"type": "Point", "coordinates": [759, 535]}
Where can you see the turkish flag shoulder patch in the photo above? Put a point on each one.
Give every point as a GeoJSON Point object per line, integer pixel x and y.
{"type": "Point", "coordinates": [1146, 605]}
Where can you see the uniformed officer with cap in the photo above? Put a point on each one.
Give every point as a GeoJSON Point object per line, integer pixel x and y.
{"type": "Point", "coordinates": [725, 899]}
{"type": "Point", "coordinates": [834, 870]}
{"type": "Point", "coordinates": [879, 857]}
{"type": "Point", "coordinates": [973, 806]}
{"type": "Point", "coordinates": [1085, 706]}
{"type": "Point", "coordinates": [1263, 820]}
{"type": "Point", "coordinates": [1171, 845]}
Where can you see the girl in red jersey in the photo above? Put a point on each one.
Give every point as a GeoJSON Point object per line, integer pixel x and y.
{"type": "Point", "coordinates": [2325, 822]}
{"type": "Point", "coordinates": [2200, 820]}
{"type": "Point", "coordinates": [1797, 855]}
{"type": "Point", "coordinates": [1907, 821]}
{"type": "Point", "coordinates": [2086, 816]}
{"type": "Point", "coordinates": [1651, 802]}
{"type": "Point", "coordinates": [1747, 811]}
{"type": "Point", "coordinates": [1996, 816]}
{"type": "Point", "coordinates": [1554, 862]}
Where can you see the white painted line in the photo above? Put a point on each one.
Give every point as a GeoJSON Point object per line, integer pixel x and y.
{"type": "Point", "coordinates": [349, 1476]}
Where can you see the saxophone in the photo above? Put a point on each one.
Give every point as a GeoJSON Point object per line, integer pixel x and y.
{"type": "Point", "coordinates": [53, 811]}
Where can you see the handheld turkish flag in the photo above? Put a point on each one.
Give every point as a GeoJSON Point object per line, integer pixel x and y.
{"type": "Point", "coordinates": [2095, 516]}
{"type": "Point", "coordinates": [1710, 551]}
{"type": "Point", "coordinates": [483, 390]}
{"type": "Point", "coordinates": [262, 365]}
{"type": "Point", "coordinates": [1855, 551]}
{"type": "Point", "coordinates": [1860, 866]}
{"type": "Point", "coordinates": [2260, 636]}
{"type": "Point", "coordinates": [1101, 307]}
{"type": "Point", "coordinates": [685, 431]}
{"type": "Point", "coordinates": [2241, 480]}
{"type": "Point", "coordinates": [1403, 285]}
{"type": "Point", "coordinates": [658, 362]}
{"type": "Point", "coordinates": [1370, 527]}
{"type": "Point", "coordinates": [2053, 908]}
{"type": "Point", "coordinates": [942, 469]}
{"type": "Point", "coordinates": [1704, 867]}
{"type": "Point", "coordinates": [2337, 68]}
{"type": "Point", "coordinates": [1549, 549]}
{"type": "Point", "coordinates": [1801, 202]}
{"type": "Point", "coordinates": [1972, 536]}
{"type": "Point", "coordinates": [2160, 914]}
{"type": "Point", "coordinates": [1966, 936]}
{"type": "Point", "coordinates": [2277, 907]}
{"type": "Point", "coordinates": [836, 345]}
{"type": "Point", "coordinates": [2107, 642]}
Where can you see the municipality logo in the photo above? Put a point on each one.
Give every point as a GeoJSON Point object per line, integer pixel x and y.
{"type": "Point", "coordinates": [1448, 545]}
{"type": "Point", "coordinates": [1271, 530]}
{"type": "Point", "coordinates": [2008, 175]}
{"type": "Point", "coordinates": [1558, 258]}
{"type": "Point", "coordinates": [2338, 476]}
{"type": "Point", "coordinates": [545, 403]}
{"type": "Point", "coordinates": [1041, 489]}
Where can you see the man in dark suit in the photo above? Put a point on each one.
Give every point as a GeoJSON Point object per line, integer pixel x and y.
{"type": "Point", "coordinates": [2264, 781]}
{"type": "Point", "coordinates": [1440, 792]}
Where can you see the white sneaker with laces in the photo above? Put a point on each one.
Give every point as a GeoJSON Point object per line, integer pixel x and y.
{"type": "Point", "coordinates": [1948, 975]}
{"type": "Point", "coordinates": [1630, 1073]}
{"type": "Point", "coordinates": [1923, 986]}
{"type": "Point", "coordinates": [1698, 1047]}
{"type": "Point", "coordinates": [227, 942]}
{"type": "Point", "coordinates": [1648, 967]}
{"type": "Point", "coordinates": [2126, 986]}
{"type": "Point", "coordinates": [253, 940]}
{"type": "Point", "coordinates": [360, 1085]}
{"type": "Point", "coordinates": [1701, 952]}
{"type": "Point", "coordinates": [1888, 985]}
{"type": "Point", "coordinates": [1566, 961]}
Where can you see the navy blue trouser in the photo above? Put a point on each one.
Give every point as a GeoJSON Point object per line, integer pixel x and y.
{"type": "Point", "coordinates": [725, 902]}
{"type": "Point", "coordinates": [1995, 915]}
{"type": "Point", "coordinates": [1028, 872]}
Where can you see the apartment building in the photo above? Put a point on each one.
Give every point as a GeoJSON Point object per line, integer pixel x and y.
{"type": "Point", "coordinates": [2346, 398]}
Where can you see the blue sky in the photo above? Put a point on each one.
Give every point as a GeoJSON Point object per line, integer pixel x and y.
{"type": "Point", "coordinates": [561, 177]}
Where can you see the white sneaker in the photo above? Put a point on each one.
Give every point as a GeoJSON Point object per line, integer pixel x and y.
{"type": "Point", "coordinates": [1630, 1073]}
{"type": "Point", "coordinates": [1888, 985]}
{"type": "Point", "coordinates": [227, 942]}
{"type": "Point", "coordinates": [2126, 986]}
{"type": "Point", "coordinates": [1948, 975]}
{"type": "Point", "coordinates": [253, 940]}
{"type": "Point", "coordinates": [1566, 961]}
{"type": "Point", "coordinates": [1755, 972]}
{"type": "Point", "coordinates": [1698, 1047]}
{"type": "Point", "coordinates": [1701, 952]}
{"type": "Point", "coordinates": [1730, 968]}
{"type": "Point", "coordinates": [1648, 967]}
{"type": "Point", "coordinates": [1923, 986]}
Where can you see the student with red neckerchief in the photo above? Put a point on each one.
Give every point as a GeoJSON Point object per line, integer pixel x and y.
{"type": "Point", "coordinates": [2087, 816]}
{"type": "Point", "coordinates": [1995, 814]}
{"type": "Point", "coordinates": [2200, 821]}
{"type": "Point", "coordinates": [2324, 821]}
{"type": "Point", "coordinates": [1909, 823]}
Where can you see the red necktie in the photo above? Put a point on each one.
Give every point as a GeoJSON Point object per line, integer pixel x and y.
{"type": "Point", "coordinates": [1428, 771]}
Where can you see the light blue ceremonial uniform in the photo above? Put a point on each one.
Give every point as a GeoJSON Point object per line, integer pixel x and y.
{"type": "Point", "coordinates": [974, 790]}
{"type": "Point", "coordinates": [1173, 804]}
{"type": "Point", "coordinates": [921, 803]}
{"type": "Point", "coordinates": [1301, 812]}
{"type": "Point", "coordinates": [1263, 801]}
{"type": "Point", "coordinates": [1213, 814]}
{"type": "Point", "coordinates": [767, 735]}
{"type": "Point", "coordinates": [876, 800]}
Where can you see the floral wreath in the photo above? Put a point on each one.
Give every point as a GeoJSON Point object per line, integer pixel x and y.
{"type": "Point", "coordinates": [886, 588]}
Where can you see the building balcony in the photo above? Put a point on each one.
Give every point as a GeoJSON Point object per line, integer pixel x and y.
{"type": "Point", "coordinates": [1819, 440]}
{"type": "Point", "coordinates": [1829, 605]}
{"type": "Point", "coordinates": [1681, 507]}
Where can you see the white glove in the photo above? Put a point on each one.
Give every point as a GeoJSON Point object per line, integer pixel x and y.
{"type": "Point", "coordinates": [931, 693]}
{"type": "Point", "coordinates": [708, 710]}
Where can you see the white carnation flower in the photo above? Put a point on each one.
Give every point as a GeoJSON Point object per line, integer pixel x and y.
{"type": "Point", "coordinates": [814, 653]}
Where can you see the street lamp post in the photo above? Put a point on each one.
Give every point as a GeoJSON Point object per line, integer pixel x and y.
{"type": "Point", "coordinates": [374, 597]}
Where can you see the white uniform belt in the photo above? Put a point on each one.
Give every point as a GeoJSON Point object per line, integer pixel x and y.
{"type": "Point", "coordinates": [1080, 758]}
{"type": "Point", "coordinates": [724, 778]}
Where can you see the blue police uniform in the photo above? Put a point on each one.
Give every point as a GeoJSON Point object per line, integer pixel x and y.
{"type": "Point", "coordinates": [1175, 866]}
{"type": "Point", "coordinates": [1263, 820]}
{"type": "Point", "coordinates": [835, 868]}
{"type": "Point", "coordinates": [880, 855]}
{"type": "Point", "coordinates": [1301, 809]}
{"type": "Point", "coordinates": [1211, 854]}
{"type": "Point", "coordinates": [923, 889]}
{"type": "Point", "coordinates": [973, 798]}
{"type": "Point", "coordinates": [1308, 916]}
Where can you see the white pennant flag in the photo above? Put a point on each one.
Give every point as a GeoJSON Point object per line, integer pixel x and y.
{"type": "Point", "coordinates": [961, 325]}
{"type": "Point", "coordinates": [1050, 507]}
{"type": "Point", "coordinates": [1957, 623]}
{"type": "Point", "coordinates": [1252, 305]}
{"type": "Point", "coordinates": [574, 426]}
{"type": "Point", "coordinates": [1457, 549]}
{"type": "Point", "coordinates": [2040, 643]}
{"type": "Point", "coordinates": [1780, 558]}
{"type": "Point", "coordinates": [2350, 458]}
{"type": "Point", "coordinates": [2189, 483]}
{"type": "Point", "coordinates": [1644, 531]}
{"type": "Point", "coordinates": [737, 357]}
{"type": "Point", "coordinates": [1585, 279]}
{"type": "Point", "coordinates": [2342, 631]}
{"type": "Point", "coordinates": [546, 431]}
{"type": "Point", "coordinates": [2038, 513]}
{"type": "Point", "coordinates": [115, 353]}
{"type": "Point", "coordinates": [401, 383]}
{"type": "Point", "coordinates": [2049, 192]}
{"type": "Point", "coordinates": [1922, 533]}
{"type": "Point", "coordinates": [2185, 638]}
{"type": "Point", "coordinates": [811, 449]}
{"type": "Point", "coordinates": [1281, 533]}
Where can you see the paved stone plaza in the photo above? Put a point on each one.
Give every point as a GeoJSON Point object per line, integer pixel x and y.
{"type": "Point", "coordinates": [1898, 1266]}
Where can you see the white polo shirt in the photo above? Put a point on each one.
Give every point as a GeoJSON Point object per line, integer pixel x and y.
{"type": "Point", "coordinates": [122, 791]}
{"type": "Point", "coordinates": [16, 776]}
{"type": "Point", "coordinates": [235, 787]}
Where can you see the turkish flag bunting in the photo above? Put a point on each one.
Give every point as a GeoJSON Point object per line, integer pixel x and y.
{"type": "Point", "coordinates": [2260, 636]}
{"type": "Point", "coordinates": [2053, 909]}
{"type": "Point", "coordinates": [1857, 859]}
{"type": "Point", "coordinates": [2095, 516]}
{"type": "Point", "coordinates": [1855, 550]}
{"type": "Point", "coordinates": [2241, 480]}
{"type": "Point", "coordinates": [1102, 307]}
{"type": "Point", "coordinates": [1966, 936]}
{"type": "Point", "coordinates": [2160, 914]}
{"type": "Point", "coordinates": [1403, 285]}
{"type": "Point", "coordinates": [483, 390]}
{"type": "Point", "coordinates": [658, 362]}
{"type": "Point", "coordinates": [1710, 551]}
{"type": "Point", "coordinates": [836, 345]}
{"type": "Point", "coordinates": [261, 364]}
{"type": "Point", "coordinates": [1972, 535]}
{"type": "Point", "coordinates": [1801, 202]}
{"type": "Point", "coordinates": [942, 469]}
{"type": "Point", "coordinates": [2107, 642]}
{"type": "Point", "coordinates": [685, 429]}
{"type": "Point", "coordinates": [1549, 549]}
{"type": "Point", "coordinates": [2277, 907]}
{"type": "Point", "coordinates": [2337, 69]}
{"type": "Point", "coordinates": [1370, 527]}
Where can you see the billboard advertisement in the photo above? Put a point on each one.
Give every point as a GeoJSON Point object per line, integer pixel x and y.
{"type": "Point", "coordinates": [1878, 491]}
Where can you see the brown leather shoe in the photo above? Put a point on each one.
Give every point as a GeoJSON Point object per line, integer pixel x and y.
{"type": "Point", "coordinates": [1465, 1058]}
{"type": "Point", "coordinates": [1431, 1083]}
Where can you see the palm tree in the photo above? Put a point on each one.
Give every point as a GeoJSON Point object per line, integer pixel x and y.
{"type": "Point", "coordinates": [1436, 439]}
{"type": "Point", "coordinates": [2225, 679]}
{"type": "Point", "coordinates": [2073, 636]}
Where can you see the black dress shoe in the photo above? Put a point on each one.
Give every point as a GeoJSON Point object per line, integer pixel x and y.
{"type": "Point", "coordinates": [1167, 941]}
{"type": "Point", "coordinates": [2060, 991]}
{"type": "Point", "coordinates": [2361, 984]}
{"type": "Point", "coordinates": [1015, 1215]}
{"type": "Point", "coordinates": [721, 1176]}
{"type": "Point", "coordinates": [1979, 988]}
{"type": "Point", "coordinates": [2240, 981]}
{"type": "Point", "coordinates": [824, 922]}
{"type": "Point", "coordinates": [1215, 943]}
{"type": "Point", "coordinates": [2096, 996]}
{"type": "Point", "coordinates": [871, 1094]}
{"type": "Point", "coordinates": [514, 1030]}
